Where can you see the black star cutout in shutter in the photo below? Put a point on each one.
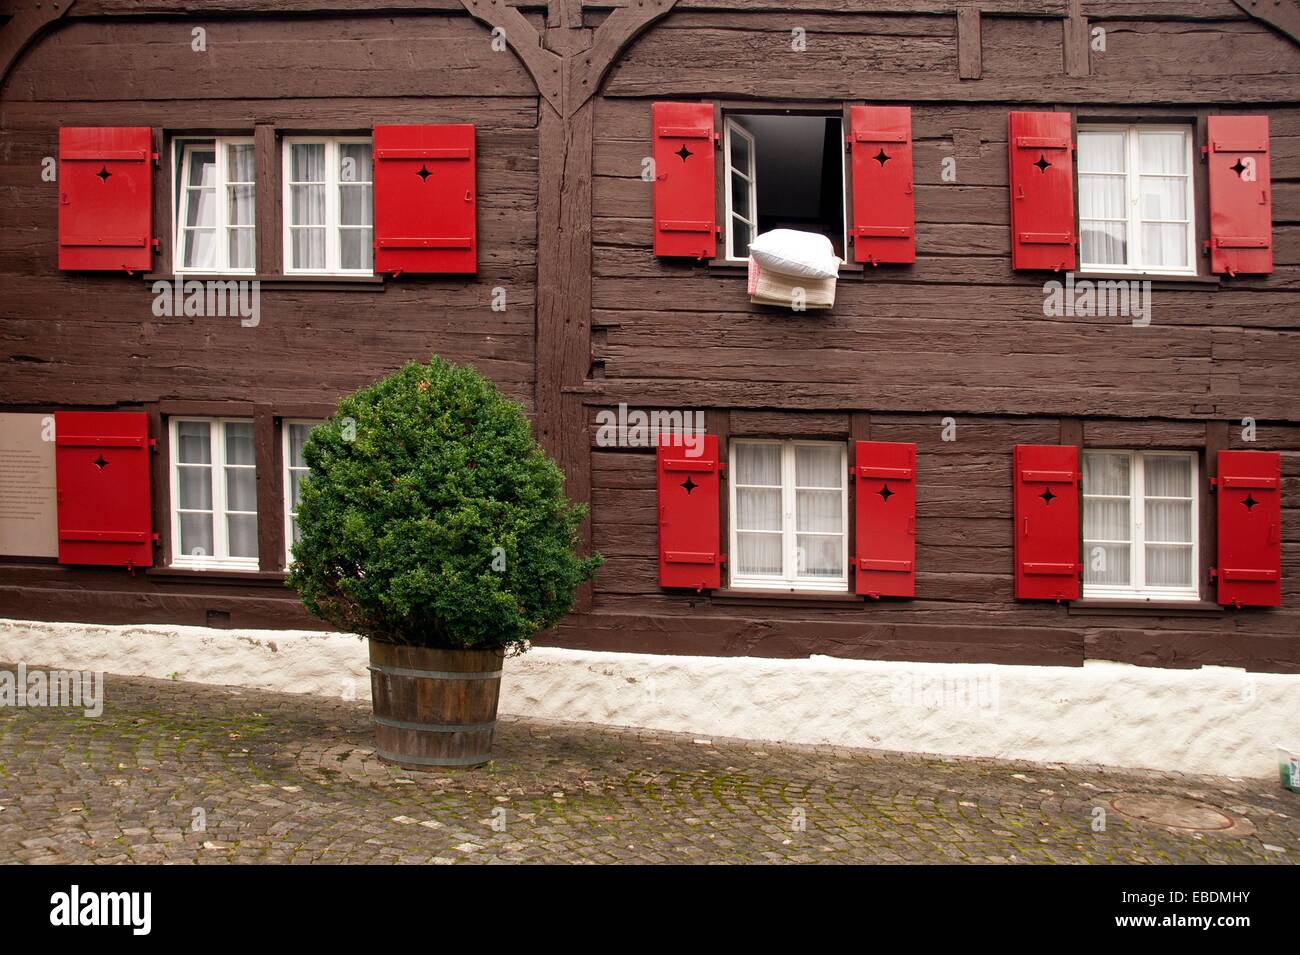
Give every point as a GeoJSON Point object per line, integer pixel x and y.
{"type": "Point", "coordinates": [1250, 502]}
{"type": "Point", "coordinates": [424, 173]}
{"type": "Point", "coordinates": [100, 463]}
{"type": "Point", "coordinates": [1042, 163]}
{"type": "Point", "coordinates": [689, 484]}
{"type": "Point", "coordinates": [882, 157]}
{"type": "Point", "coordinates": [103, 174]}
{"type": "Point", "coordinates": [684, 152]}
{"type": "Point", "coordinates": [885, 493]}
{"type": "Point", "coordinates": [1239, 167]}
{"type": "Point", "coordinates": [1047, 495]}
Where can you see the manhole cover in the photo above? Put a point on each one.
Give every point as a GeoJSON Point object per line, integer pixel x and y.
{"type": "Point", "coordinates": [1176, 813]}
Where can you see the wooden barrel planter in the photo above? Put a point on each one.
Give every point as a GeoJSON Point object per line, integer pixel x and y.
{"type": "Point", "coordinates": [434, 708]}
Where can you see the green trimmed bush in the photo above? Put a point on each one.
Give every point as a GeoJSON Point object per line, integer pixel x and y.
{"type": "Point", "coordinates": [431, 518]}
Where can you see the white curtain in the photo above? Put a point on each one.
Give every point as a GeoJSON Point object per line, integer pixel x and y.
{"type": "Point", "coordinates": [241, 193]}
{"type": "Point", "coordinates": [758, 509]}
{"type": "Point", "coordinates": [307, 204]}
{"type": "Point", "coordinates": [1107, 521]}
{"type": "Point", "coordinates": [356, 250]}
{"type": "Point", "coordinates": [199, 236]}
{"type": "Point", "coordinates": [1103, 191]}
{"type": "Point", "coordinates": [819, 517]}
{"type": "Point", "coordinates": [1168, 520]}
{"type": "Point", "coordinates": [194, 477]}
{"type": "Point", "coordinates": [1163, 190]}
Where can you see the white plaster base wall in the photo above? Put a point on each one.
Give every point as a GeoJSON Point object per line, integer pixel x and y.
{"type": "Point", "coordinates": [1212, 720]}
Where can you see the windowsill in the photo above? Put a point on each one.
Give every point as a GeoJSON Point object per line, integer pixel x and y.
{"type": "Point", "coordinates": [790, 598]}
{"type": "Point", "coordinates": [1109, 606]}
{"type": "Point", "coordinates": [1162, 279]}
{"type": "Point", "coordinates": [731, 267]}
{"type": "Point", "coordinates": [223, 574]}
{"type": "Point", "coordinates": [295, 281]}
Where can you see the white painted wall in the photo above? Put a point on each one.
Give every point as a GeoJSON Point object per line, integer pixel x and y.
{"type": "Point", "coordinates": [1212, 720]}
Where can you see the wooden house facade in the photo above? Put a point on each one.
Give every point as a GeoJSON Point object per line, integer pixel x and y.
{"type": "Point", "coordinates": [1053, 415]}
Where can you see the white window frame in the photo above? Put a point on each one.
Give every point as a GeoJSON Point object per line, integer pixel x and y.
{"type": "Point", "coordinates": [730, 124]}
{"type": "Point", "coordinates": [287, 484]}
{"type": "Point", "coordinates": [1137, 589]}
{"type": "Point", "coordinates": [789, 579]}
{"type": "Point", "coordinates": [220, 559]}
{"type": "Point", "coordinates": [1133, 200]}
{"type": "Point", "coordinates": [333, 227]}
{"type": "Point", "coordinates": [181, 150]}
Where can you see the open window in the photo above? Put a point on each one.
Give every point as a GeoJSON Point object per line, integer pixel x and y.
{"type": "Point", "coordinates": [215, 226]}
{"type": "Point", "coordinates": [782, 172]}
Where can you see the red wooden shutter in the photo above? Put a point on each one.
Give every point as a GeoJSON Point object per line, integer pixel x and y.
{"type": "Point", "coordinates": [1042, 191]}
{"type": "Point", "coordinates": [684, 184]}
{"type": "Point", "coordinates": [884, 217]}
{"type": "Point", "coordinates": [1046, 509]}
{"type": "Point", "coordinates": [1250, 528]}
{"type": "Point", "coordinates": [885, 517]}
{"type": "Point", "coordinates": [688, 514]}
{"type": "Point", "coordinates": [1241, 210]}
{"type": "Point", "coordinates": [425, 199]}
{"type": "Point", "coordinates": [102, 467]}
{"type": "Point", "coordinates": [106, 198]}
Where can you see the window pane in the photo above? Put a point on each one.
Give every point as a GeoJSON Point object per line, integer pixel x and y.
{"type": "Point", "coordinates": [295, 534]}
{"type": "Point", "coordinates": [741, 236]}
{"type": "Point", "coordinates": [193, 446]}
{"type": "Point", "coordinates": [200, 207]}
{"type": "Point", "coordinates": [241, 533]}
{"type": "Point", "coordinates": [308, 248]}
{"type": "Point", "coordinates": [819, 556]}
{"type": "Point", "coordinates": [1105, 473]}
{"type": "Point", "coordinates": [203, 167]}
{"type": "Point", "coordinates": [196, 535]}
{"type": "Point", "coordinates": [758, 509]}
{"type": "Point", "coordinates": [1106, 564]}
{"type": "Point", "coordinates": [739, 152]}
{"type": "Point", "coordinates": [242, 249]}
{"type": "Point", "coordinates": [354, 162]}
{"type": "Point", "coordinates": [295, 488]}
{"type": "Point", "coordinates": [1164, 243]}
{"type": "Point", "coordinates": [1163, 198]}
{"type": "Point", "coordinates": [818, 466]}
{"type": "Point", "coordinates": [1102, 197]}
{"type": "Point", "coordinates": [1102, 151]}
{"type": "Point", "coordinates": [200, 249]}
{"type": "Point", "coordinates": [1169, 566]}
{"type": "Point", "coordinates": [298, 434]}
{"type": "Point", "coordinates": [820, 511]}
{"type": "Point", "coordinates": [759, 554]}
{"type": "Point", "coordinates": [1106, 520]}
{"type": "Point", "coordinates": [1104, 243]}
{"type": "Point", "coordinates": [241, 489]}
{"type": "Point", "coordinates": [307, 205]}
{"type": "Point", "coordinates": [740, 197]}
{"type": "Point", "coordinates": [355, 205]}
{"type": "Point", "coordinates": [1169, 521]}
{"type": "Point", "coordinates": [355, 249]}
{"type": "Point", "coordinates": [1162, 152]}
{"type": "Point", "coordinates": [239, 162]}
{"type": "Point", "coordinates": [241, 205]}
{"type": "Point", "coordinates": [1167, 475]}
{"type": "Point", "coordinates": [195, 488]}
{"type": "Point", "coordinates": [239, 443]}
{"type": "Point", "coordinates": [307, 162]}
{"type": "Point", "coordinates": [758, 464]}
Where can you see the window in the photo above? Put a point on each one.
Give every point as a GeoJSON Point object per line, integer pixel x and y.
{"type": "Point", "coordinates": [789, 513]}
{"type": "Point", "coordinates": [214, 206]}
{"type": "Point", "coordinates": [783, 172]}
{"type": "Point", "coordinates": [328, 221]}
{"type": "Point", "coordinates": [1135, 199]}
{"type": "Point", "coordinates": [1139, 524]}
{"type": "Point", "coordinates": [214, 494]}
{"type": "Point", "coordinates": [295, 469]}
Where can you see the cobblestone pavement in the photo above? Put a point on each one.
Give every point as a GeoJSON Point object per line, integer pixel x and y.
{"type": "Point", "coordinates": [190, 773]}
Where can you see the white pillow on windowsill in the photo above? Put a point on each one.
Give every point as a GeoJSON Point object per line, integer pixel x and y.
{"type": "Point", "coordinates": [791, 252]}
